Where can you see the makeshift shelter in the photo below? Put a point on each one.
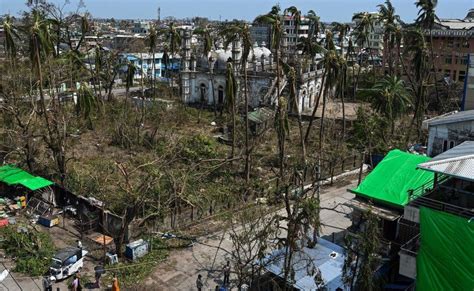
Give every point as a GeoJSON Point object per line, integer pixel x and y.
{"type": "Point", "coordinates": [445, 259]}
{"type": "Point", "coordinates": [13, 176]}
{"type": "Point", "coordinates": [325, 259]}
{"type": "Point", "coordinates": [259, 119]}
{"type": "Point", "coordinates": [394, 178]}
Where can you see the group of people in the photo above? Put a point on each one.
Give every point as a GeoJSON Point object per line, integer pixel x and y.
{"type": "Point", "coordinates": [225, 284]}
{"type": "Point", "coordinates": [76, 283]}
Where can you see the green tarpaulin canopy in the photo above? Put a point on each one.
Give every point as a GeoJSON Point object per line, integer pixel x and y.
{"type": "Point", "coordinates": [391, 179]}
{"type": "Point", "coordinates": [445, 260]}
{"type": "Point", "coordinates": [15, 176]}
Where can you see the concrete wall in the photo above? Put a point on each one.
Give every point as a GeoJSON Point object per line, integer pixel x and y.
{"type": "Point", "coordinates": [452, 133]}
{"type": "Point", "coordinates": [469, 86]}
{"type": "Point", "coordinates": [257, 87]}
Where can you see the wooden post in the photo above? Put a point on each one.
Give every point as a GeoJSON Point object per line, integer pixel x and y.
{"type": "Point", "coordinates": [64, 217]}
{"type": "Point", "coordinates": [360, 169]}
{"type": "Point", "coordinates": [103, 234]}
{"type": "Point", "coordinates": [331, 170]}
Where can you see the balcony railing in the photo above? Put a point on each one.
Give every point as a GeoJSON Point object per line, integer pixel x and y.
{"type": "Point", "coordinates": [443, 206]}
{"type": "Point", "coordinates": [425, 188]}
{"type": "Point", "coordinates": [411, 247]}
{"type": "Point", "coordinates": [408, 252]}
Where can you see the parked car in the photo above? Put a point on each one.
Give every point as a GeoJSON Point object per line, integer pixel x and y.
{"type": "Point", "coordinates": [66, 263]}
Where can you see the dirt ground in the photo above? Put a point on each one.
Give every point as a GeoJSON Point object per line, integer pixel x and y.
{"type": "Point", "coordinates": [208, 256]}
{"type": "Point", "coordinates": [334, 110]}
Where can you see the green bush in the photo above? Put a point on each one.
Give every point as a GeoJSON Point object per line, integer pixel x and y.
{"type": "Point", "coordinates": [31, 249]}
{"type": "Point", "coordinates": [130, 274]}
{"type": "Point", "coordinates": [199, 147]}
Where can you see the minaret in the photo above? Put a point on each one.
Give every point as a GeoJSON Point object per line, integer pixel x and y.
{"type": "Point", "coordinates": [236, 57]}
{"type": "Point", "coordinates": [236, 54]}
{"type": "Point", "coordinates": [186, 64]}
{"type": "Point", "coordinates": [284, 48]}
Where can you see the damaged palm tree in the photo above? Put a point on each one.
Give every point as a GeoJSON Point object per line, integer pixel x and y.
{"type": "Point", "coordinates": [231, 93]}
{"type": "Point", "coordinates": [86, 103]}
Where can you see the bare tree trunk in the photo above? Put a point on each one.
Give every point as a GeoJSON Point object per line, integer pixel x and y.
{"type": "Point", "coordinates": [343, 93]}
{"type": "Point", "coordinates": [247, 151]}
{"type": "Point", "coordinates": [435, 73]}
{"type": "Point", "coordinates": [313, 114]}
{"type": "Point", "coordinates": [154, 73]}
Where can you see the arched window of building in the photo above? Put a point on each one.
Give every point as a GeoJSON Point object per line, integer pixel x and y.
{"type": "Point", "coordinates": [203, 92]}
{"type": "Point", "coordinates": [304, 100]}
{"type": "Point", "coordinates": [220, 95]}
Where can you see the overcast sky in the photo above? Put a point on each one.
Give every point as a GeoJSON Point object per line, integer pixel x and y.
{"type": "Point", "coordinates": [329, 10]}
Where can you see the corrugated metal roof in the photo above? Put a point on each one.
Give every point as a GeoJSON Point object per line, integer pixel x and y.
{"type": "Point", "coordinates": [457, 162]}
{"type": "Point", "coordinates": [261, 115]}
{"type": "Point", "coordinates": [464, 149]}
{"type": "Point", "coordinates": [326, 256]}
{"type": "Point", "coordinates": [451, 118]}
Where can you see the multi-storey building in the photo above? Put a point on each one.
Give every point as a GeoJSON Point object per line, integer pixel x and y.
{"type": "Point", "coordinates": [141, 27]}
{"type": "Point", "coordinates": [467, 102]}
{"type": "Point", "coordinates": [261, 33]}
{"type": "Point", "coordinates": [293, 34]}
{"type": "Point", "coordinates": [439, 255]}
{"type": "Point", "coordinates": [453, 40]}
{"type": "Point", "coordinates": [143, 63]}
{"type": "Point", "coordinates": [375, 41]}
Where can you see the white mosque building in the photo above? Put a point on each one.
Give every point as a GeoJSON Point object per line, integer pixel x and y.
{"type": "Point", "coordinates": [203, 79]}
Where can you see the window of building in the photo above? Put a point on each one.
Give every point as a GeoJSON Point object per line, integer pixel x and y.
{"type": "Point", "coordinates": [465, 44]}
{"type": "Point", "coordinates": [447, 73]}
{"type": "Point", "coordinates": [445, 145]}
{"type": "Point", "coordinates": [450, 43]}
{"type": "Point", "coordinates": [448, 60]}
{"type": "Point", "coordinates": [451, 144]}
{"type": "Point", "coordinates": [454, 75]}
{"type": "Point", "coordinates": [220, 95]}
{"type": "Point", "coordinates": [462, 75]}
{"type": "Point", "coordinates": [464, 60]}
{"type": "Point", "coordinates": [456, 60]}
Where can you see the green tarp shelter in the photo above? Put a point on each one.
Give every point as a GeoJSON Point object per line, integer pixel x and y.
{"type": "Point", "coordinates": [445, 260]}
{"type": "Point", "coordinates": [15, 176]}
{"type": "Point", "coordinates": [393, 177]}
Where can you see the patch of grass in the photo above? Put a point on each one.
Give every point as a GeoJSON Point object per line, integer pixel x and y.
{"type": "Point", "coordinates": [32, 250]}
{"type": "Point", "coordinates": [130, 274]}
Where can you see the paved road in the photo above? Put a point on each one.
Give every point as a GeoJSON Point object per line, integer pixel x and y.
{"type": "Point", "coordinates": [180, 271]}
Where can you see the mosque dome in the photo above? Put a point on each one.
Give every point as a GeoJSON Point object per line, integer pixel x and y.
{"type": "Point", "coordinates": [470, 15]}
{"type": "Point", "coordinates": [255, 52]}
{"type": "Point", "coordinates": [222, 54]}
{"type": "Point", "coordinates": [265, 51]}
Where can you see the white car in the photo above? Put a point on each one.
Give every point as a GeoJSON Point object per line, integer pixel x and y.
{"type": "Point", "coordinates": [67, 262]}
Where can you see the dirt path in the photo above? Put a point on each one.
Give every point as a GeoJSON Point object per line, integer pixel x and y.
{"type": "Point", "coordinates": [180, 270]}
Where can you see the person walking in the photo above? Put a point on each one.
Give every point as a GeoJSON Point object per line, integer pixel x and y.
{"type": "Point", "coordinates": [115, 284]}
{"type": "Point", "coordinates": [47, 284]}
{"type": "Point", "coordinates": [199, 283]}
{"type": "Point", "coordinates": [76, 284]}
{"type": "Point", "coordinates": [227, 274]}
{"type": "Point", "coordinates": [99, 270]}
